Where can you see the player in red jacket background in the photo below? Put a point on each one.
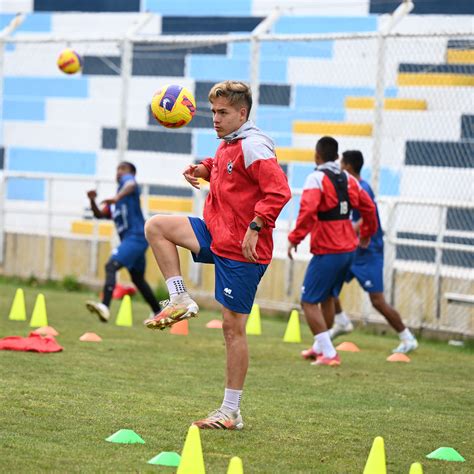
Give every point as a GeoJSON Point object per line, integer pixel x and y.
{"type": "Point", "coordinates": [329, 195]}
{"type": "Point", "coordinates": [248, 190]}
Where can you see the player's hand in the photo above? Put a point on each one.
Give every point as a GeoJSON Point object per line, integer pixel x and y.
{"type": "Point", "coordinates": [109, 201]}
{"type": "Point", "coordinates": [291, 247]}
{"type": "Point", "coordinates": [364, 242]}
{"type": "Point", "coordinates": [91, 194]}
{"type": "Point", "coordinates": [188, 174]}
{"type": "Point", "coordinates": [249, 245]}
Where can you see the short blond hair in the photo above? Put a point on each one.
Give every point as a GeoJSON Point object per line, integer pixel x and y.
{"type": "Point", "coordinates": [237, 92]}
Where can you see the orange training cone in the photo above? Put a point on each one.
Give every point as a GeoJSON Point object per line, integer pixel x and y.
{"type": "Point", "coordinates": [397, 357]}
{"type": "Point", "coordinates": [181, 328]}
{"type": "Point", "coordinates": [90, 337]}
{"type": "Point", "coordinates": [347, 347]}
{"type": "Point", "coordinates": [46, 331]}
{"type": "Point", "coordinates": [214, 324]}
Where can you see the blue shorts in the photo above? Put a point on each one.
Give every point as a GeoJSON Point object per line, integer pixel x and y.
{"type": "Point", "coordinates": [236, 282]}
{"type": "Point", "coordinates": [367, 268]}
{"type": "Point", "coordinates": [131, 253]}
{"type": "Point", "coordinates": [325, 276]}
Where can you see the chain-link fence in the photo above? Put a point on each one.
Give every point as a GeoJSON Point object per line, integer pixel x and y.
{"type": "Point", "coordinates": [405, 101]}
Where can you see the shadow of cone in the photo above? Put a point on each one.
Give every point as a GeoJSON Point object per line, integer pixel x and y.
{"type": "Point", "coordinates": [181, 328]}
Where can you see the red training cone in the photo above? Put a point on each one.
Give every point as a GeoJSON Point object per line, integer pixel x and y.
{"type": "Point", "coordinates": [181, 328]}
{"type": "Point", "coordinates": [90, 337]}
{"type": "Point", "coordinates": [347, 347]}
{"type": "Point", "coordinates": [214, 324]}
{"type": "Point", "coordinates": [46, 331]}
{"type": "Point", "coordinates": [397, 357]}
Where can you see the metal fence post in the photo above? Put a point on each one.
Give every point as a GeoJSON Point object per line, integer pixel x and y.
{"type": "Point", "coordinates": [49, 238]}
{"type": "Point", "coordinates": [443, 213]}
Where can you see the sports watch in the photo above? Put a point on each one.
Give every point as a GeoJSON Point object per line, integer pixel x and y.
{"type": "Point", "coordinates": [254, 226]}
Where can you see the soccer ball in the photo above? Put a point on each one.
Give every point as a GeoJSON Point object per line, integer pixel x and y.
{"type": "Point", "coordinates": [173, 106]}
{"type": "Point", "coordinates": [69, 61]}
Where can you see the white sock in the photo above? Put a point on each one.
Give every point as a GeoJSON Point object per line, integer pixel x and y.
{"type": "Point", "coordinates": [316, 346]}
{"type": "Point", "coordinates": [324, 342]}
{"type": "Point", "coordinates": [232, 399]}
{"type": "Point", "coordinates": [406, 334]}
{"type": "Point", "coordinates": [342, 319]}
{"type": "Point", "coordinates": [175, 286]}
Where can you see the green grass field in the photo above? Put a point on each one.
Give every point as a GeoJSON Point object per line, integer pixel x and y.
{"type": "Point", "coordinates": [57, 409]}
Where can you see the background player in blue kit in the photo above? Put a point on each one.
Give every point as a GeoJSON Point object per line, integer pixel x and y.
{"type": "Point", "coordinates": [124, 208]}
{"type": "Point", "coordinates": [367, 268]}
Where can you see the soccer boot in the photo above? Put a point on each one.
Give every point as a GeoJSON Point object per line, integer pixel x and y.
{"type": "Point", "coordinates": [172, 312]}
{"type": "Point", "coordinates": [99, 309]}
{"type": "Point", "coordinates": [339, 329]}
{"type": "Point", "coordinates": [331, 361]}
{"type": "Point", "coordinates": [310, 354]}
{"type": "Point", "coordinates": [406, 346]}
{"type": "Point", "coordinates": [221, 419]}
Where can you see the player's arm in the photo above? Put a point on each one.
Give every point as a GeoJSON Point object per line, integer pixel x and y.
{"type": "Point", "coordinates": [192, 173]}
{"type": "Point", "coordinates": [273, 185]}
{"type": "Point", "coordinates": [368, 212]}
{"type": "Point", "coordinates": [99, 213]}
{"type": "Point", "coordinates": [310, 200]}
{"type": "Point", "coordinates": [128, 188]}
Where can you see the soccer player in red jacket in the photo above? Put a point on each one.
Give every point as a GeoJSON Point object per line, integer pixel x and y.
{"type": "Point", "coordinates": [329, 195]}
{"type": "Point", "coordinates": [248, 190]}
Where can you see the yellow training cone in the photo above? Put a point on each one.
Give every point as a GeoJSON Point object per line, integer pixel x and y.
{"type": "Point", "coordinates": [254, 326]}
{"type": "Point", "coordinates": [416, 468]}
{"type": "Point", "coordinates": [18, 309]}
{"type": "Point", "coordinates": [192, 460]}
{"type": "Point", "coordinates": [293, 332]}
{"type": "Point", "coordinates": [39, 317]}
{"type": "Point", "coordinates": [124, 317]}
{"type": "Point", "coordinates": [376, 460]}
{"type": "Point", "coordinates": [235, 466]}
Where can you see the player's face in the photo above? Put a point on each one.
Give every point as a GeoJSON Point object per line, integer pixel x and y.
{"type": "Point", "coordinates": [227, 118]}
{"type": "Point", "coordinates": [121, 171]}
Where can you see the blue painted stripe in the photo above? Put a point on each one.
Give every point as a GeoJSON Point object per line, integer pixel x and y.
{"type": "Point", "coordinates": [389, 184]}
{"type": "Point", "coordinates": [26, 189]}
{"type": "Point", "coordinates": [325, 24]}
{"type": "Point", "coordinates": [205, 143]}
{"type": "Point", "coordinates": [35, 22]}
{"type": "Point", "coordinates": [34, 109]}
{"type": "Point", "coordinates": [51, 161]}
{"type": "Point", "coordinates": [285, 49]}
{"type": "Point", "coordinates": [46, 87]}
{"type": "Point", "coordinates": [332, 97]}
{"type": "Point", "coordinates": [205, 7]}
{"type": "Point", "coordinates": [205, 68]}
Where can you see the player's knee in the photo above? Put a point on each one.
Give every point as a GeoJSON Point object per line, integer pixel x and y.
{"type": "Point", "coordinates": [111, 267]}
{"type": "Point", "coordinates": [154, 228]}
{"type": "Point", "coordinates": [233, 326]}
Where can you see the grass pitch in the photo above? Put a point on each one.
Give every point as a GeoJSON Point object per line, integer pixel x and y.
{"type": "Point", "coordinates": [57, 409]}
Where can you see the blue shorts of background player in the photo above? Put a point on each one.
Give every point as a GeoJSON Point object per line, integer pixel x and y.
{"type": "Point", "coordinates": [236, 282]}
{"type": "Point", "coordinates": [325, 276]}
{"type": "Point", "coordinates": [367, 268]}
{"type": "Point", "coordinates": [131, 253]}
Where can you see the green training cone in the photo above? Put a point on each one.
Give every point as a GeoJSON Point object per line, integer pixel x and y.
{"type": "Point", "coordinates": [125, 437]}
{"type": "Point", "coordinates": [293, 332]}
{"type": "Point", "coordinates": [166, 458]}
{"type": "Point", "coordinates": [124, 316]}
{"type": "Point", "coordinates": [18, 310]}
{"type": "Point", "coordinates": [416, 468]}
{"type": "Point", "coordinates": [39, 317]}
{"type": "Point", "coordinates": [254, 325]}
{"type": "Point", "coordinates": [376, 460]}
{"type": "Point", "coordinates": [445, 454]}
